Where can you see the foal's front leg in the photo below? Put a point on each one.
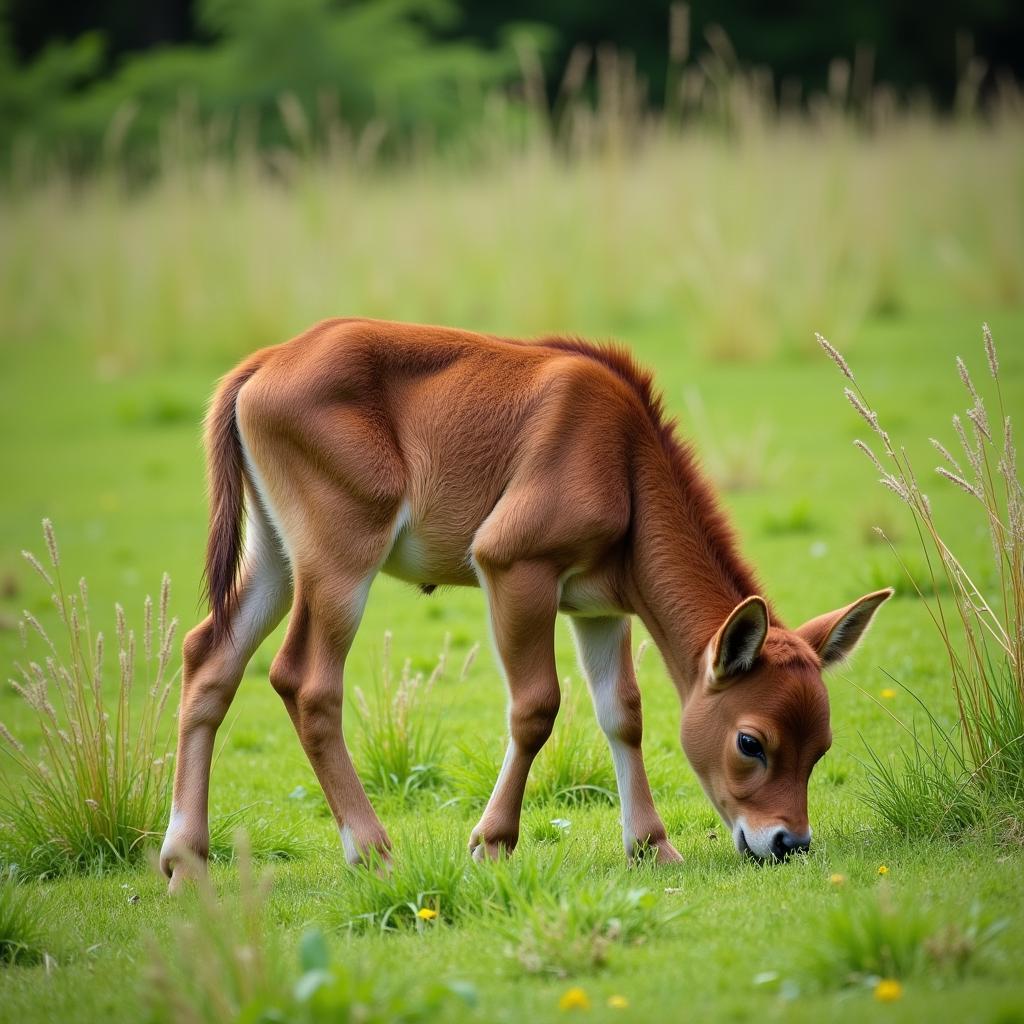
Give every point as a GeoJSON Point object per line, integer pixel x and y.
{"type": "Point", "coordinates": [523, 601]}
{"type": "Point", "coordinates": [605, 655]}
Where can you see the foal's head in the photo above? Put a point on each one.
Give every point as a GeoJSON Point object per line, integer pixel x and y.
{"type": "Point", "coordinates": [757, 721]}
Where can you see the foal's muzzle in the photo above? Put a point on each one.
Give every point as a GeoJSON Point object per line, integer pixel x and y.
{"type": "Point", "coordinates": [785, 843]}
{"type": "Point", "coordinates": [766, 845]}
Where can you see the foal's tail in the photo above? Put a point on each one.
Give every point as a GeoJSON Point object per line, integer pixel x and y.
{"type": "Point", "coordinates": [225, 466]}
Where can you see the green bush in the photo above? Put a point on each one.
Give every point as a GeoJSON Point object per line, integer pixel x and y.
{"type": "Point", "coordinates": [298, 74]}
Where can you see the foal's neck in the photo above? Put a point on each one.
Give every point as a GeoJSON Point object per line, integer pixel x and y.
{"type": "Point", "coordinates": [684, 574]}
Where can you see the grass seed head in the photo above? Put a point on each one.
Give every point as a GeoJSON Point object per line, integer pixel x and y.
{"type": "Point", "coordinates": [51, 543]}
{"type": "Point", "coordinates": [866, 449]}
{"type": "Point", "coordinates": [990, 351]}
{"type": "Point", "coordinates": [869, 416]}
{"type": "Point", "coordinates": [836, 356]}
{"type": "Point", "coordinates": [959, 481]}
{"type": "Point", "coordinates": [965, 378]}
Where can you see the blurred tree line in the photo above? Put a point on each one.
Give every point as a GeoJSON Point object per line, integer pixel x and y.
{"type": "Point", "coordinates": [85, 77]}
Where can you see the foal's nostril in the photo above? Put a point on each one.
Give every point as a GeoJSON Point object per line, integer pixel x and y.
{"type": "Point", "coordinates": [785, 842]}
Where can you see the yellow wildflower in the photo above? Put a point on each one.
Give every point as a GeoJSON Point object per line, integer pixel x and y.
{"type": "Point", "coordinates": [426, 914]}
{"type": "Point", "coordinates": [574, 999]}
{"type": "Point", "coordinates": [837, 879]}
{"type": "Point", "coordinates": [618, 1002]}
{"type": "Point", "coordinates": [882, 869]}
{"type": "Point", "coordinates": [888, 693]}
{"type": "Point", "coordinates": [888, 990]}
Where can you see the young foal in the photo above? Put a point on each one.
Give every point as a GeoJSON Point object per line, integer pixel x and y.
{"type": "Point", "coordinates": [547, 475]}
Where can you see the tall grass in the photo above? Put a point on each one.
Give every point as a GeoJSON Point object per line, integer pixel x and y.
{"type": "Point", "coordinates": [572, 769]}
{"type": "Point", "coordinates": [98, 787]}
{"type": "Point", "coordinates": [224, 963]}
{"type": "Point", "coordinates": [576, 931]}
{"type": "Point", "coordinates": [401, 744]}
{"type": "Point", "coordinates": [736, 221]}
{"type": "Point", "coordinates": [220, 961]}
{"type": "Point", "coordinates": [553, 916]}
{"type": "Point", "coordinates": [973, 774]}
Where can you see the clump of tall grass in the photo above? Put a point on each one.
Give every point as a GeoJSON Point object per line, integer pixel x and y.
{"type": "Point", "coordinates": [953, 779]}
{"type": "Point", "coordinates": [871, 937]}
{"type": "Point", "coordinates": [428, 874]}
{"type": "Point", "coordinates": [575, 931]}
{"type": "Point", "coordinates": [220, 963]}
{"type": "Point", "coordinates": [401, 746]}
{"type": "Point", "coordinates": [553, 916]}
{"type": "Point", "coordinates": [98, 787]}
{"type": "Point", "coordinates": [737, 257]}
{"type": "Point", "coordinates": [437, 875]}
{"type": "Point", "coordinates": [223, 963]}
{"type": "Point", "coordinates": [22, 933]}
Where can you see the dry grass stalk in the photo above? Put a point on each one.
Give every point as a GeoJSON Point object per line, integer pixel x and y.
{"type": "Point", "coordinates": [983, 632]}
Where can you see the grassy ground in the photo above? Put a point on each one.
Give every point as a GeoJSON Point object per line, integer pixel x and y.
{"type": "Point", "coordinates": [102, 382]}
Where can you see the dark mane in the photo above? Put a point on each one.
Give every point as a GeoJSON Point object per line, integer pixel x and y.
{"type": "Point", "coordinates": [718, 533]}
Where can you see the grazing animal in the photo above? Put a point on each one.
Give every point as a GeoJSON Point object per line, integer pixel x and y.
{"type": "Point", "coordinates": [546, 474]}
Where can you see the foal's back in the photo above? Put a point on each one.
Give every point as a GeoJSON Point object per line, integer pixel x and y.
{"type": "Point", "coordinates": [423, 428]}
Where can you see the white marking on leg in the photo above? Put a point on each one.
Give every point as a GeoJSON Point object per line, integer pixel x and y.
{"type": "Point", "coordinates": [599, 648]}
{"type": "Point", "coordinates": [348, 843]}
{"type": "Point", "coordinates": [173, 824]}
{"type": "Point", "coordinates": [506, 768]}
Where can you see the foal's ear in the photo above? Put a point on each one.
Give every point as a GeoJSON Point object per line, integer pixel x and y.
{"type": "Point", "coordinates": [738, 643]}
{"type": "Point", "coordinates": [834, 635]}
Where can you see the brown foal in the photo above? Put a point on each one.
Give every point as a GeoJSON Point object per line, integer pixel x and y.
{"type": "Point", "coordinates": [547, 475]}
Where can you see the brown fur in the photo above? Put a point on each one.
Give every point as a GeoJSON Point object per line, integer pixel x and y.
{"type": "Point", "coordinates": [546, 473]}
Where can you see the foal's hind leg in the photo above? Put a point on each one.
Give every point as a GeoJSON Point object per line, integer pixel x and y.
{"type": "Point", "coordinates": [308, 674]}
{"type": "Point", "coordinates": [212, 672]}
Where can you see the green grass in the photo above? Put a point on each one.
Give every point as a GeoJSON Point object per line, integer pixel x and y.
{"type": "Point", "coordinates": [123, 311]}
{"type": "Point", "coordinates": [894, 937]}
{"type": "Point", "coordinates": [23, 932]}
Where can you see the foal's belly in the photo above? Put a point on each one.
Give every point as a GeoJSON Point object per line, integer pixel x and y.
{"type": "Point", "coordinates": [416, 557]}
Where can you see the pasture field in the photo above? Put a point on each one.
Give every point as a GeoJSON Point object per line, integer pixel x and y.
{"type": "Point", "coordinates": [714, 263]}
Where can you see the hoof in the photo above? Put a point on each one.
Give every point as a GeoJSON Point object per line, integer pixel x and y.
{"type": "Point", "coordinates": [656, 851]}
{"type": "Point", "coordinates": [482, 849]}
{"type": "Point", "coordinates": [483, 852]}
{"type": "Point", "coordinates": [667, 853]}
{"type": "Point", "coordinates": [183, 856]}
{"type": "Point", "coordinates": [180, 878]}
{"type": "Point", "coordinates": [180, 865]}
{"type": "Point", "coordinates": [371, 849]}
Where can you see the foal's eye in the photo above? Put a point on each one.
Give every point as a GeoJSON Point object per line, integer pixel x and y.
{"type": "Point", "coordinates": [749, 746]}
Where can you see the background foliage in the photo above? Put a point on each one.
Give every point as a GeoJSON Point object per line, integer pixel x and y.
{"type": "Point", "coordinates": [78, 82]}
